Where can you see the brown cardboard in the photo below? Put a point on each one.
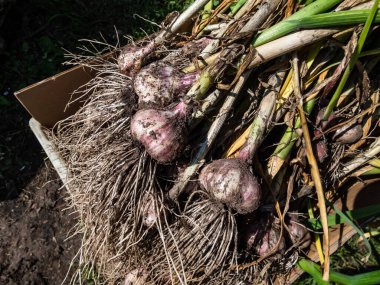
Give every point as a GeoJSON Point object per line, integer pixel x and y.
{"type": "Point", "coordinates": [46, 101]}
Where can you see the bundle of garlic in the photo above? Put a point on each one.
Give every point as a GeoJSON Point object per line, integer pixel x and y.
{"type": "Point", "coordinates": [197, 154]}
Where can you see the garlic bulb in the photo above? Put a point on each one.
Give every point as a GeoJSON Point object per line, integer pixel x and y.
{"type": "Point", "coordinates": [298, 233]}
{"type": "Point", "coordinates": [159, 84]}
{"type": "Point", "coordinates": [262, 237]}
{"type": "Point", "coordinates": [161, 132]}
{"type": "Point", "coordinates": [229, 181]}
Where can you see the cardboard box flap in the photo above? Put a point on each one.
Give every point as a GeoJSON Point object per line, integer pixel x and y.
{"type": "Point", "coordinates": [359, 194]}
{"type": "Point", "coordinates": [47, 100]}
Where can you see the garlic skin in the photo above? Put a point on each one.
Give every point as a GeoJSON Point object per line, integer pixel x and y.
{"type": "Point", "coordinates": [321, 150]}
{"type": "Point", "coordinates": [131, 58]}
{"type": "Point", "coordinates": [161, 132]}
{"type": "Point", "coordinates": [269, 241]}
{"type": "Point", "coordinates": [298, 233]}
{"type": "Point", "coordinates": [262, 237]}
{"type": "Point", "coordinates": [348, 134]}
{"type": "Point", "coordinates": [159, 84]}
{"type": "Point", "coordinates": [229, 181]}
{"type": "Point", "coordinates": [136, 277]}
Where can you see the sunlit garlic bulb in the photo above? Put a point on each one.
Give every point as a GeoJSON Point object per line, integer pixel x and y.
{"type": "Point", "coordinates": [229, 181]}
{"type": "Point", "coordinates": [161, 132]}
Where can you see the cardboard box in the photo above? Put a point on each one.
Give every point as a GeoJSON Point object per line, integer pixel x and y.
{"type": "Point", "coordinates": [46, 101]}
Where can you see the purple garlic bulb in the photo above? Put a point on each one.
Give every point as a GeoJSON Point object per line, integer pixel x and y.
{"type": "Point", "coordinates": [269, 241]}
{"type": "Point", "coordinates": [298, 233]}
{"type": "Point", "coordinates": [159, 84]}
{"type": "Point", "coordinates": [229, 181]}
{"type": "Point", "coordinates": [262, 238]}
{"type": "Point", "coordinates": [348, 134]}
{"type": "Point", "coordinates": [161, 132]}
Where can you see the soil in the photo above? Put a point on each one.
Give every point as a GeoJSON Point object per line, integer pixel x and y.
{"type": "Point", "coordinates": [34, 230]}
